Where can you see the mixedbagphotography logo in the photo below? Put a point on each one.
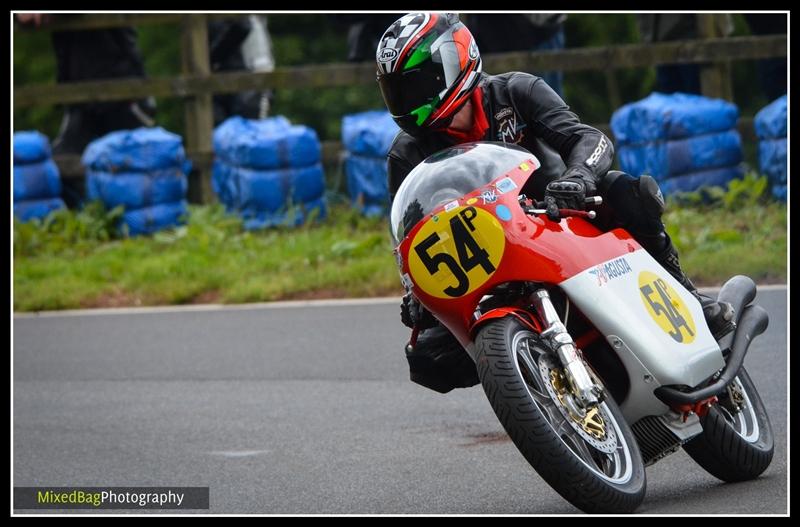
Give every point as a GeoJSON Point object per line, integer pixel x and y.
{"type": "Point", "coordinates": [111, 498]}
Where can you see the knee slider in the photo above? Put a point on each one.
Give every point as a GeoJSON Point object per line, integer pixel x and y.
{"type": "Point", "coordinates": [609, 179]}
{"type": "Point", "coordinates": [651, 196]}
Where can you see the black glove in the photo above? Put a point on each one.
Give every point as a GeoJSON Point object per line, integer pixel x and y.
{"type": "Point", "coordinates": [569, 193]}
{"type": "Point", "coordinates": [412, 313]}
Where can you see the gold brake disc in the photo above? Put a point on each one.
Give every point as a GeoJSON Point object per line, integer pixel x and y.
{"type": "Point", "coordinates": [592, 423]}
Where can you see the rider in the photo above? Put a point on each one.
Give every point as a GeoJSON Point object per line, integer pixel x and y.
{"type": "Point", "coordinates": [429, 72]}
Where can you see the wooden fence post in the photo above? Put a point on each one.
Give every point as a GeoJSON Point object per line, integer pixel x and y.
{"type": "Point", "coordinates": [198, 109]}
{"type": "Point", "coordinates": [715, 78]}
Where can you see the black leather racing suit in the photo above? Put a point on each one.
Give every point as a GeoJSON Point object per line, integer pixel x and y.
{"type": "Point", "coordinates": [521, 108]}
{"type": "Point", "coordinates": [524, 110]}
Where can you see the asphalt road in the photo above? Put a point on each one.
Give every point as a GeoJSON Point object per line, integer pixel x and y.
{"type": "Point", "coordinates": [300, 410]}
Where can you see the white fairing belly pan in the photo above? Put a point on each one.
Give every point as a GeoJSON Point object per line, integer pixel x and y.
{"type": "Point", "coordinates": [634, 299]}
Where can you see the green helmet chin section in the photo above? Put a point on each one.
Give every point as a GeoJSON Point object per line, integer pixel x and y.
{"type": "Point", "coordinates": [424, 111]}
{"type": "Point", "coordinates": [422, 53]}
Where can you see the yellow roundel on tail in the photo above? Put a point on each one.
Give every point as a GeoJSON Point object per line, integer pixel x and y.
{"type": "Point", "coordinates": [666, 308]}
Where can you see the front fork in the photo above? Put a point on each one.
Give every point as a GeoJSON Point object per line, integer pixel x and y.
{"type": "Point", "coordinates": [588, 393]}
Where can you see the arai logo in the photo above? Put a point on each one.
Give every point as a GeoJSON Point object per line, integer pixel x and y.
{"type": "Point", "coordinates": [387, 54]}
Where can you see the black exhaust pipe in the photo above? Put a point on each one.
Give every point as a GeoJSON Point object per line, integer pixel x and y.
{"type": "Point", "coordinates": [739, 291]}
{"type": "Point", "coordinates": [751, 322]}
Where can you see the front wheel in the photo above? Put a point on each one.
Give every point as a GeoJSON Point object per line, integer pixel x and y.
{"type": "Point", "coordinates": [736, 443]}
{"type": "Point", "coordinates": [592, 460]}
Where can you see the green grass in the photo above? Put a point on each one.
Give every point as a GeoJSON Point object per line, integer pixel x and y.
{"type": "Point", "coordinates": [716, 246]}
{"type": "Point", "coordinates": [70, 261]}
{"type": "Point", "coordinates": [720, 234]}
{"type": "Point", "coordinates": [76, 259]}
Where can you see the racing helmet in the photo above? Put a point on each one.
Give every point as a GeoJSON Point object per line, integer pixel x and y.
{"type": "Point", "coordinates": [428, 65]}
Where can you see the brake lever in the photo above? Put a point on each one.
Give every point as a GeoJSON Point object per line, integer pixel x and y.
{"type": "Point", "coordinates": [564, 212]}
{"type": "Point", "coordinates": [580, 213]}
{"type": "Point", "coordinates": [589, 202]}
{"type": "Point", "coordinates": [538, 208]}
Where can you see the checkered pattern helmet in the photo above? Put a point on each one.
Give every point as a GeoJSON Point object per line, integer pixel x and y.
{"type": "Point", "coordinates": [428, 65]}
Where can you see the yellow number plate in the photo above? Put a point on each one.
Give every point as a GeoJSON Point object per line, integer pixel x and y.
{"type": "Point", "coordinates": [455, 252]}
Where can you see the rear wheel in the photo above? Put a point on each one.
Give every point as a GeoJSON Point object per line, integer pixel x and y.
{"type": "Point", "coordinates": [737, 442]}
{"type": "Point", "coordinates": [590, 458]}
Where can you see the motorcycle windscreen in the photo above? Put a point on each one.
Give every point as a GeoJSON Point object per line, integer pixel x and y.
{"type": "Point", "coordinates": [448, 175]}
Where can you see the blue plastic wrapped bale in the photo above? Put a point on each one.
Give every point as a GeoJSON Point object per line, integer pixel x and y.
{"type": "Point", "coordinates": [307, 183]}
{"type": "Point", "coordinates": [663, 159]}
{"type": "Point", "coordinates": [36, 181]}
{"type": "Point", "coordinates": [772, 160]}
{"type": "Point", "coordinates": [771, 121]}
{"type": "Point", "coordinates": [135, 190]}
{"type": "Point", "coordinates": [223, 184]}
{"type": "Point", "coordinates": [228, 134]}
{"type": "Point", "coordinates": [148, 220]}
{"type": "Point", "coordinates": [308, 192]}
{"type": "Point", "coordinates": [671, 116]}
{"type": "Point", "coordinates": [695, 180]}
{"type": "Point", "coordinates": [40, 208]}
{"type": "Point", "coordinates": [771, 124]}
{"type": "Point", "coordinates": [30, 147]}
{"type": "Point", "coordinates": [92, 189]}
{"type": "Point", "coordinates": [367, 179]}
{"type": "Point", "coordinates": [140, 150]}
{"type": "Point", "coordinates": [260, 190]}
{"type": "Point", "coordinates": [367, 183]}
{"type": "Point", "coordinates": [261, 197]}
{"type": "Point", "coordinates": [369, 133]}
{"type": "Point", "coordinates": [266, 144]}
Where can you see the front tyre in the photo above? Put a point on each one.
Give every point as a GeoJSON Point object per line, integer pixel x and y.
{"type": "Point", "coordinates": [737, 442]}
{"type": "Point", "coordinates": [594, 462]}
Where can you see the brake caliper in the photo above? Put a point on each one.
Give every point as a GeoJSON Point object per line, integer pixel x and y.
{"type": "Point", "coordinates": [590, 420]}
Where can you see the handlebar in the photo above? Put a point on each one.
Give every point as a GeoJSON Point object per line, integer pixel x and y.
{"type": "Point", "coordinates": [539, 207]}
{"type": "Point", "coordinates": [566, 212]}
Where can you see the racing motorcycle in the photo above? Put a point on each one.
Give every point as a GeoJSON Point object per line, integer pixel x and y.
{"type": "Point", "coordinates": [596, 361]}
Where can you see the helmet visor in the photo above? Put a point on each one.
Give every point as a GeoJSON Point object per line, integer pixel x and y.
{"type": "Point", "coordinates": [413, 91]}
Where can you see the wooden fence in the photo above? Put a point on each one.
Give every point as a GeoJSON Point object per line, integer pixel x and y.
{"type": "Point", "coordinates": [196, 84]}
